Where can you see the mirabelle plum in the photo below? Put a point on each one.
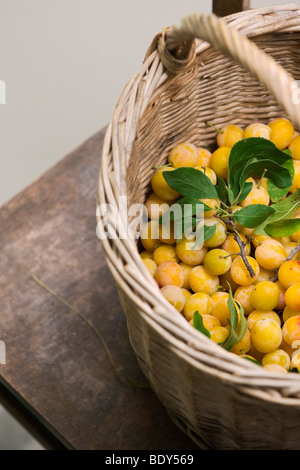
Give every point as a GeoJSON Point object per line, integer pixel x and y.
{"type": "Point", "coordinates": [199, 302]}
{"type": "Point", "coordinates": [229, 135]}
{"type": "Point", "coordinates": [266, 335]}
{"type": "Point", "coordinates": [291, 330]}
{"type": "Point", "coordinates": [186, 268]}
{"type": "Point", "coordinates": [258, 314]}
{"type": "Point", "coordinates": [146, 254]}
{"type": "Point", "coordinates": [214, 204]}
{"type": "Point", "coordinates": [243, 346]}
{"type": "Point", "coordinates": [150, 235]}
{"type": "Point", "coordinates": [263, 182]}
{"type": "Point", "coordinates": [295, 361]}
{"type": "Point", "coordinates": [150, 265]}
{"type": "Point", "coordinates": [219, 334]}
{"type": "Point", "coordinates": [174, 295]}
{"type": "Point", "coordinates": [202, 281]}
{"type": "Point", "coordinates": [219, 236]}
{"type": "Point", "coordinates": [296, 235]}
{"type": "Point", "coordinates": [292, 297]}
{"type": "Point", "coordinates": [256, 196]}
{"type": "Point", "coordinates": [242, 295]}
{"type": "Point", "coordinates": [294, 147]}
{"type": "Point", "coordinates": [248, 357]}
{"type": "Point", "coordinates": [216, 296]}
{"type": "Point", "coordinates": [187, 293]}
{"type": "Point", "coordinates": [231, 246]}
{"type": "Point", "coordinates": [184, 154]}
{"type": "Point", "coordinates": [289, 273]}
{"type": "Point", "coordinates": [165, 253]}
{"type": "Point", "coordinates": [288, 313]}
{"type": "Point", "coordinates": [209, 322]}
{"type": "Point", "coordinates": [283, 240]}
{"type": "Point", "coordinates": [204, 157]}
{"type": "Point", "coordinates": [248, 232]}
{"type": "Point", "coordinates": [275, 369]}
{"type": "Point", "coordinates": [288, 348]}
{"type": "Point", "coordinates": [161, 188]}
{"type": "Point", "coordinates": [281, 302]}
{"type": "Point", "coordinates": [289, 247]}
{"type": "Point", "coordinates": [166, 233]}
{"type": "Point", "coordinates": [221, 311]}
{"type": "Point", "coordinates": [188, 255]}
{"type": "Point", "coordinates": [279, 357]}
{"type": "Point", "coordinates": [240, 273]}
{"type": "Point", "coordinates": [258, 239]}
{"type": "Point", "coordinates": [169, 273]}
{"type": "Point", "coordinates": [219, 162]}
{"type": "Point", "coordinates": [226, 281]}
{"type": "Point", "coordinates": [217, 261]}
{"type": "Point", "coordinates": [255, 353]}
{"type": "Point", "coordinates": [296, 178]}
{"type": "Point", "coordinates": [282, 132]}
{"type": "Point", "coordinates": [270, 254]}
{"type": "Point", "coordinates": [209, 173]}
{"type": "Point", "coordinates": [264, 275]}
{"type": "Point", "coordinates": [156, 206]}
{"type": "Point", "coordinates": [265, 296]}
{"type": "Point", "coordinates": [257, 129]}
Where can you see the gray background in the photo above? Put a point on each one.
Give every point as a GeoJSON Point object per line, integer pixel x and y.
{"type": "Point", "coordinates": [65, 63]}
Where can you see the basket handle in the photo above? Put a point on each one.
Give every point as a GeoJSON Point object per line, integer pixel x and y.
{"type": "Point", "coordinates": [176, 48]}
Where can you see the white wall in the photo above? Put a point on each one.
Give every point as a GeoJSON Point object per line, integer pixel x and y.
{"type": "Point", "coordinates": [65, 63]}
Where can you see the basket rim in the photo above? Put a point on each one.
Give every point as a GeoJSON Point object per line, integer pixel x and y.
{"type": "Point", "coordinates": [122, 256]}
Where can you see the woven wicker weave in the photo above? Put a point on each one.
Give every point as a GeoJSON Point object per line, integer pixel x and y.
{"type": "Point", "coordinates": [223, 77]}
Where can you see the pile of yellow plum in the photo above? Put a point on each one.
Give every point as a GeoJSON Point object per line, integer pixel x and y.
{"type": "Point", "coordinates": [260, 271]}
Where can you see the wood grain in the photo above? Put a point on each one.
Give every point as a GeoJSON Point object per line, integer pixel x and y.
{"type": "Point", "coordinates": [228, 7]}
{"type": "Point", "coordinates": [55, 364]}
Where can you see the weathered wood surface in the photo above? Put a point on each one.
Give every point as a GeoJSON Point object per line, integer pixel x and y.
{"type": "Point", "coordinates": [55, 364]}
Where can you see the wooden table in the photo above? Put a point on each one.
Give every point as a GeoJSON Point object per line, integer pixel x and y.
{"type": "Point", "coordinates": [58, 379]}
{"type": "Point", "coordinates": [72, 384]}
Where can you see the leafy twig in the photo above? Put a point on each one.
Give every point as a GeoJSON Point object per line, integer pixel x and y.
{"type": "Point", "coordinates": [242, 245]}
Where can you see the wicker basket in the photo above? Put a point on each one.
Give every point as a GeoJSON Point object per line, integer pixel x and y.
{"type": "Point", "coordinates": [221, 76]}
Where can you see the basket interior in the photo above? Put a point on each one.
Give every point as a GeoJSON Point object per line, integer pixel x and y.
{"type": "Point", "coordinates": [216, 90]}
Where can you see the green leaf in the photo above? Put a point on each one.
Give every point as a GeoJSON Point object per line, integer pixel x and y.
{"type": "Point", "coordinates": [230, 195]}
{"type": "Point", "coordinates": [237, 331]}
{"type": "Point", "coordinates": [191, 182]}
{"type": "Point", "coordinates": [222, 190]}
{"type": "Point", "coordinates": [288, 152]}
{"type": "Point", "coordinates": [283, 210]}
{"type": "Point", "coordinates": [199, 325]}
{"type": "Point", "coordinates": [251, 216]}
{"type": "Point", "coordinates": [276, 193]}
{"type": "Point", "coordinates": [283, 228]}
{"type": "Point", "coordinates": [272, 170]}
{"type": "Point", "coordinates": [255, 150]}
{"type": "Point", "coordinates": [244, 192]}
